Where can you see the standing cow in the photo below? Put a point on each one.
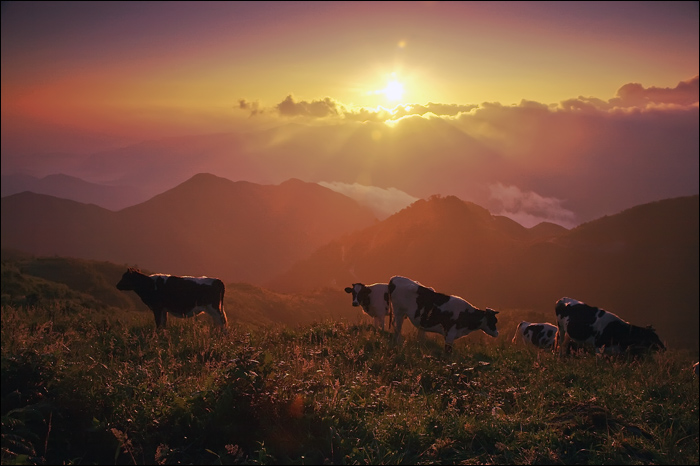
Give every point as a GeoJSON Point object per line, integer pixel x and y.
{"type": "Point", "coordinates": [179, 296]}
{"type": "Point", "coordinates": [450, 316]}
{"type": "Point", "coordinates": [592, 326]}
{"type": "Point", "coordinates": [374, 300]}
{"type": "Point", "coordinates": [541, 335]}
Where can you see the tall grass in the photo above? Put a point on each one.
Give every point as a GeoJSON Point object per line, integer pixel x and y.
{"type": "Point", "coordinates": [84, 387]}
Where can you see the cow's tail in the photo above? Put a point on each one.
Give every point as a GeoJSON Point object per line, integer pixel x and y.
{"type": "Point", "coordinates": [389, 309]}
{"type": "Point", "coordinates": [224, 319]}
{"type": "Point", "coordinates": [389, 304]}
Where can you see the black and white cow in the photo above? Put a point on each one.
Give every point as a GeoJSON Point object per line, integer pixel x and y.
{"type": "Point", "coordinates": [541, 335]}
{"type": "Point", "coordinates": [430, 311]}
{"type": "Point", "coordinates": [606, 332]}
{"type": "Point", "coordinates": [374, 300]}
{"type": "Point", "coordinates": [179, 296]}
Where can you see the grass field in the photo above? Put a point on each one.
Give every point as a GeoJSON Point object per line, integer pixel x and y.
{"type": "Point", "coordinates": [85, 386]}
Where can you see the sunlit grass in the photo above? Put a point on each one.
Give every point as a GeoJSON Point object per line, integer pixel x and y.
{"type": "Point", "coordinates": [82, 386]}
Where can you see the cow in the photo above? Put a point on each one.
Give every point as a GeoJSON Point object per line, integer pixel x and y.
{"type": "Point", "coordinates": [541, 335]}
{"type": "Point", "coordinates": [374, 300]}
{"type": "Point", "coordinates": [605, 331]}
{"type": "Point", "coordinates": [179, 296]}
{"type": "Point", "coordinates": [430, 311]}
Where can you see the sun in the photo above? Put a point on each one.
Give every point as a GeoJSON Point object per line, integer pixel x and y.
{"type": "Point", "coordinates": [393, 91]}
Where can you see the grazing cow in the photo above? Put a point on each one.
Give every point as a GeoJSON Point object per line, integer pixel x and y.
{"type": "Point", "coordinates": [179, 296]}
{"type": "Point", "coordinates": [374, 300]}
{"type": "Point", "coordinates": [606, 332]}
{"type": "Point", "coordinates": [451, 316]}
{"type": "Point", "coordinates": [541, 335]}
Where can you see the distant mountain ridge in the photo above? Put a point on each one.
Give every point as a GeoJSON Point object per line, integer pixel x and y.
{"type": "Point", "coordinates": [75, 189]}
{"type": "Point", "coordinates": [207, 225]}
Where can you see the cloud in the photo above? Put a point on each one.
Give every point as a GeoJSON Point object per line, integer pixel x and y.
{"type": "Point", "coordinates": [252, 107]}
{"type": "Point", "coordinates": [383, 202]}
{"type": "Point", "coordinates": [315, 109]}
{"type": "Point", "coordinates": [328, 108]}
{"type": "Point", "coordinates": [634, 95]}
{"type": "Point", "coordinates": [529, 208]}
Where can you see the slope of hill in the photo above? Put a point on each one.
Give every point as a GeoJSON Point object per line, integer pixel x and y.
{"type": "Point", "coordinates": [68, 282]}
{"type": "Point", "coordinates": [208, 225]}
{"type": "Point", "coordinates": [75, 189]}
{"type": "Point", "coordinates": [441, 240]}
{"type": "Point", "coordinates": [641, 264]}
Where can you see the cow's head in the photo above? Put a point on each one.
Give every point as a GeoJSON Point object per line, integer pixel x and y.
{"type": "Point", "coordinates": [359, 291]}
{"type": "Point", "coordinates": [129, 279]}
{"type": "Point", "coordinates": [489, 324]}
{"type": "Point", "coordinates": [652, 340]}
{"type": "Point", "coordinates": [644, 339]}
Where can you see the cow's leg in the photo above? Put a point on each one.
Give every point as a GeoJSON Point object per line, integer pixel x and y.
{"type": "Point", "coordinates": [218, 315]}
{"type": "Point", "coordinates": [564, 345]}
{"type": "Point", "coordinates": [398, 323]}
{"type": "Point", "coordinates": [161, 316]}
{"type": "Point", "coordinates": [449, 340]}
{"type": "Point", "coordinates": [379, 322]}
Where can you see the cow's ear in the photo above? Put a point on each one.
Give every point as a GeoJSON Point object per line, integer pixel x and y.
{"type": "Point", "coordinates": [489, 309]}
{"type": "Point", "coordinates": [348, 289]}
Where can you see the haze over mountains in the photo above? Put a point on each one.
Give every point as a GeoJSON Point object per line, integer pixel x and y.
{"type": "Point", "coordinates": [641, 263]}
{"type": "Point", "coordinates": [208, 225]}
{"type": "Point", "coordinates": [529, 162]}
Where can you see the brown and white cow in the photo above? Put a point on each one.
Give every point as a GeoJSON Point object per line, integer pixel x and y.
{"type": "Point", "coordinates": [603, 330]}
{"type": "Point", "coordinates": [374, 300]}
{"type": "Point", "coordinates": [179, 296]}
{"type": "Point", "coordinates": [540, 335]}
{"type": "Point", "coordinates": [430, 311]}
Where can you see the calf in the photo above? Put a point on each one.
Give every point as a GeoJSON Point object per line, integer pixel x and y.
{"type": "Point", "coordinates": [541, 335]}
{"type": "Point", "coordinates": [179, 296]}
{"type": "Point", "coordinates": [451, 316]}
{"type": "Point", "coordinates": [374, 300]}
{"type": "Point", "coordinates": [606, 332]}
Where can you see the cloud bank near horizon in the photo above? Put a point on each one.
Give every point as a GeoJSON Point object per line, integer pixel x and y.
{"type": "Point", "coordinates": [629, 97]}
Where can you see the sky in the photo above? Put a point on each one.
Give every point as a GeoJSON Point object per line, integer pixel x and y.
{"type": "Point", "coordinates": [557, 111]}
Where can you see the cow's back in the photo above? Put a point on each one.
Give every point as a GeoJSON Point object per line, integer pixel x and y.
{"type": "Point", "coordinates": [182, 294]}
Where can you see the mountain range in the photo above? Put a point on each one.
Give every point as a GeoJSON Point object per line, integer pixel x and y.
{"type": "Point", "coordinates": [641, 263]}
{"type": "Point", "coordinates": [208, 225]}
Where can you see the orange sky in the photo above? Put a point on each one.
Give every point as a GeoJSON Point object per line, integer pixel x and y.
{"type": "Point", "coordinates": [108, 65]}
{"type": "Point", "coordinates": [545, 88]}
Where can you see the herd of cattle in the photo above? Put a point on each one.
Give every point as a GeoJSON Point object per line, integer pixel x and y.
{"type": "Point", "coordinates": [427, 309]}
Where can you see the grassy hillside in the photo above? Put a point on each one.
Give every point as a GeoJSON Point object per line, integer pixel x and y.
{"type": "Point", "coordinates": [91, 387]}
{"type": "Point", "coordinates": [61, 282]}
{"type": "Point", "coordinates": [85, 381]}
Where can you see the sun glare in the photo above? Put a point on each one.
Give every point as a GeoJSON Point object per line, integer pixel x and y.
{"type": "Point", "coordinates": [393, 91]}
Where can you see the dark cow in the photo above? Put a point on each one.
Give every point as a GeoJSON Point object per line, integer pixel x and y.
{"type": "Point", "coordinates": [179, 296]}
{"type": "Point", "coordinates": [606, 332]}
{"type": "Point", "coordinates": [374, 300]}
{"type": "Point", "coordinates": [451, 316]}
{"type": "Point", "coordinates": [541, 335]}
